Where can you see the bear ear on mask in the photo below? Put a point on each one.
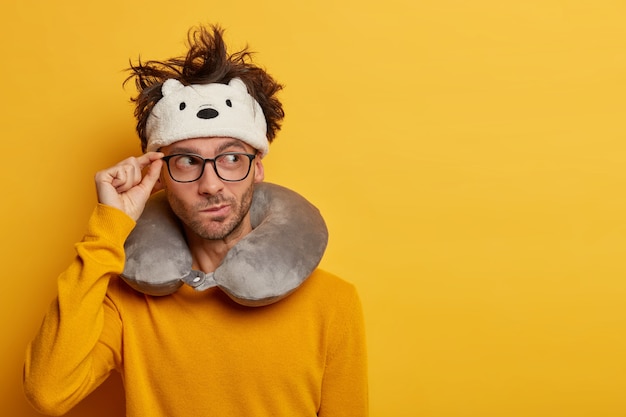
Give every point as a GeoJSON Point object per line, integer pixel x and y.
{"type": "Point", "coordinates": [287, 243]}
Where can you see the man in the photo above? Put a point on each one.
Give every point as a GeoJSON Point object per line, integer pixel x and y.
{"type": "Point", "coordinates": [196, 353]}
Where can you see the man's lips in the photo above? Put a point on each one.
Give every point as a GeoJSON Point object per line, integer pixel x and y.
{"type": "Point", "coordinates": [217, 210]}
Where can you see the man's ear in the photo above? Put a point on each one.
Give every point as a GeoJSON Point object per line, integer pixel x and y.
{"type": "Point", "coordinates": [259, 170]}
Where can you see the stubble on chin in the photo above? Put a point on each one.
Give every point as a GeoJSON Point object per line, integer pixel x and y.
{"type": "Point", "coordinates": [215, 228]}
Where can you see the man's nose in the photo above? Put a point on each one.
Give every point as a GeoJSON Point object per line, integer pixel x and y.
{"type": "Point", "coordinates": [209, 183]}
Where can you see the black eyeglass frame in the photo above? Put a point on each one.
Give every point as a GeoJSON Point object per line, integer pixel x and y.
{"type": "Point", "coordinates": [212, 161]}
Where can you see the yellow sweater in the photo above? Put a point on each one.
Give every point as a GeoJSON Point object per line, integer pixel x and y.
{"type": "Point", "coordinates": [195, 353]}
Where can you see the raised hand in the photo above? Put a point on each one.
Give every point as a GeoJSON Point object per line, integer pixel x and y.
{"type": "Point", "coordinates": [126, 186]}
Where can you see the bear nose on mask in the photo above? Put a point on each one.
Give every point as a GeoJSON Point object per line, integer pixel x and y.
{"type": "Point", "coordinates": [207, 114]}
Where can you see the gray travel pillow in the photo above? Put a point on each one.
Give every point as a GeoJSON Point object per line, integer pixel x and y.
{"type": "Point", "coordinates": [287, 243]}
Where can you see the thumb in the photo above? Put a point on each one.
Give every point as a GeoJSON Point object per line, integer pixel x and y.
{"type": "Point", "coordinates": [152, 174]}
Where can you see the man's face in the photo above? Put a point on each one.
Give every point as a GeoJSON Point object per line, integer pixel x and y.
{"type": "Point", "coordinates": [210, 207]}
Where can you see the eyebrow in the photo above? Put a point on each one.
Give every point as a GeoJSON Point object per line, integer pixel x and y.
{"type": "Point", "coordinates": [229, 144]}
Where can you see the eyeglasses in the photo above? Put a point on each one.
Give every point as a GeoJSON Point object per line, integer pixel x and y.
{"type": "Point", "coordinates": [231, 166]}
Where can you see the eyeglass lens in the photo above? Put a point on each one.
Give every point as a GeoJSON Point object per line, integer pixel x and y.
{"type": "Point", "coordinates": [229, 166]}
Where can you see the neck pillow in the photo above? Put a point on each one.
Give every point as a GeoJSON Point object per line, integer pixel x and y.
{"type": "Point", "coordinates": [287, 243]}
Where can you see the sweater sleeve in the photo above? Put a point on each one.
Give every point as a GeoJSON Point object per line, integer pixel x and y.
{"type": "Point", "coordinates": [345, 386]}
{"type": "Point", "coordinates": [78, 344]}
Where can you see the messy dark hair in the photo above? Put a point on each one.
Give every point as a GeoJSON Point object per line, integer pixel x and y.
{"type": "Point", "coordinates": [207, 61]}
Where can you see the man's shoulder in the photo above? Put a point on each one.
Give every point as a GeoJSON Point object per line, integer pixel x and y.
{"type": "Point", "coordinates": [329, 282]}
{"type": "Point", "coordinates": [328, 294]}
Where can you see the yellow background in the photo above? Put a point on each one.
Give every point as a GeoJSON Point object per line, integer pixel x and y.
{"type": "Point", "coordinates": [468, 157]}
